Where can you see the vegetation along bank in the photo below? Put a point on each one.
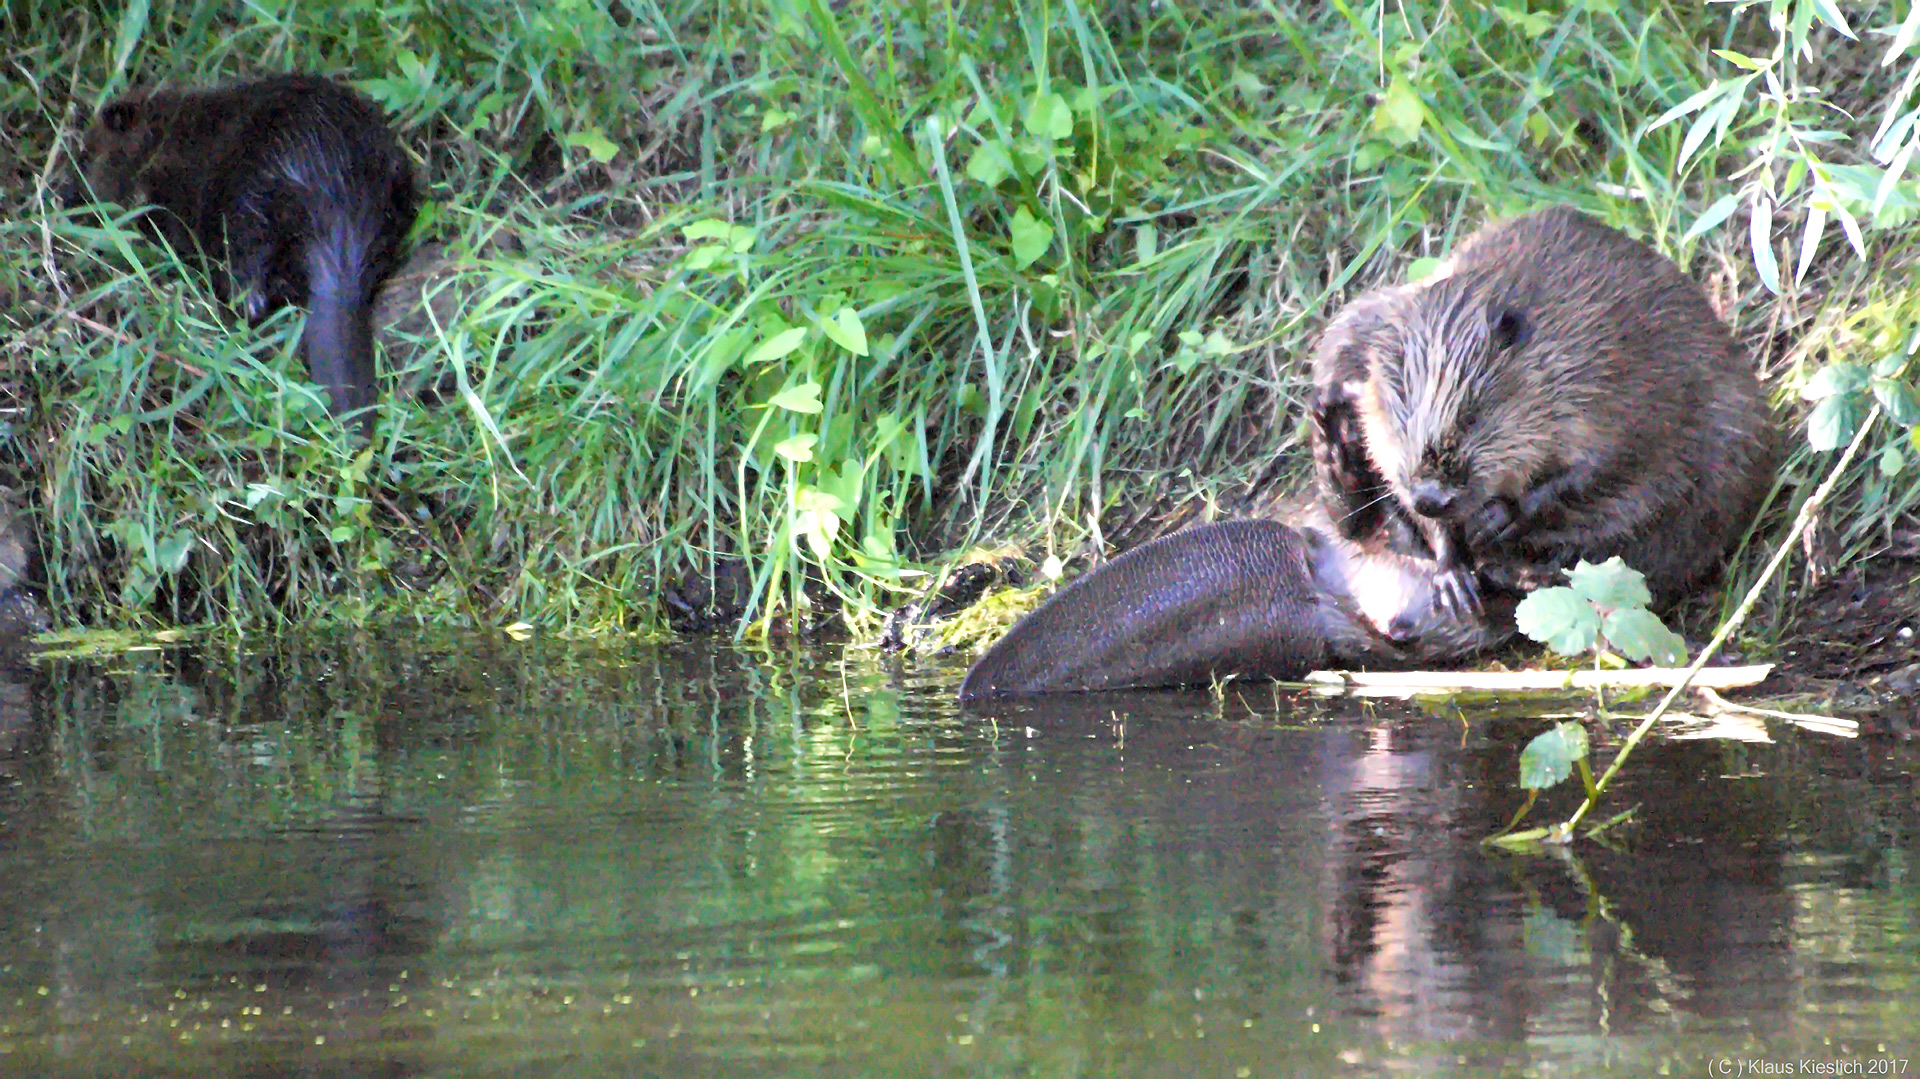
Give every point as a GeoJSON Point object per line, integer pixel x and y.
{"type": "Point", "coordinates": [753, 317]}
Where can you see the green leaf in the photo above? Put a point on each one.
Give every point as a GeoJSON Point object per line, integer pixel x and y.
{"type": "Point", "coordinates": [171, 555]}
{"type": "Point", "coordinates": [1400, 113]}
{"type": "Point", "coordinates": [1610, 585]}
{"type": "Point", "coordinates": [1760, 235]}
{"type": "Point", "coordinates": [1742, 60]}
{"type": "Point", "coordinates": [1809, 242]}
{"type": "Point", "coordinates": [707, 228]}
{"type": "Point", "coordinates": [774, 118]}
{"type": "Point", "coordinates": [1550, 757]}
{"type": "Point", "coordinates": [778, 346]}
{"type": "Point", "coordinates": [1420, 268]}
{"type": "Point", "coordinates": [596, 143]}
{"type": "Point", "coordinates": [815, 498]}
{"type": "Point", "coordinates": [799, 448]}
{"type": "Point", "coordinates": [1146, 243]}
{"type": "Point", "coordinates": [1898, 400]}
{"type": "Point", "coordinates": [1559, 619]}
{"type": "Point", "coordinates": [1530, 23]}
{"type": "Point", "coordinates": [1692, 104]}
{"type": "Point", "coordinates": [819, 518]}
{"type": "Point", "coordinates": [1904, 37]}
{"type": "Point", "coordinates": [1638, 634]}
{"type": "Point", "coordinates": [1833, 421]}
{"type": "Point", "coordinates": [839, 489]}
{"type": "Point", "coordinates": [1722, 208]}
{"type": "Point", "coordinates": [486, 107]}
{"type": "Point", "coordinates": [1849, 227]}
{"type": "Point", "coordinates": [818, 527]}
{"type": "Point", "coordinates": [1892, 461]}
{"type": "Point", "coordinates": [1049, 117]}
{"type": "Point", "coordinates": [1829, 13]}
{"type": "Point", "coordinates": [1715, 117]}
{"type": "Point", "coordinates": [990, 164]}
{"type": "Point", "coordinates": [1031, 238]}
{"type": "Point", "coordinates": [846, 330]}
{"type": "Point", "coordinates": [802, 398]}
{"type": "Point", "coordinates": [1890, 180]}
{"type": "Point", "coordinates": [1835, 380]}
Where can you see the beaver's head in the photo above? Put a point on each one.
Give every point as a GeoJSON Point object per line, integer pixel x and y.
{"type": "Point", "coordinates": [1456, 415]}
{"type": "Point", "coordinates": [116, 148]}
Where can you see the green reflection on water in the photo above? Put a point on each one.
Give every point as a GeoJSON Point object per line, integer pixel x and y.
{"type": "Point", "coordinates": [459, 857]}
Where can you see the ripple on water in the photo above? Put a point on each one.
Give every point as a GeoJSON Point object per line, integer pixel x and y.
{"type": "Point", "coordinates": [462, 858]}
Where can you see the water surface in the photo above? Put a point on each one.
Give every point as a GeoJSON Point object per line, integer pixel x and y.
{"type": "Point", "coordinates": [384, 857]}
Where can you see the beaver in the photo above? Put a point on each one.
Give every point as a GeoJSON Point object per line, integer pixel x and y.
{"type": "Point", "coordinates": [1246, 598]}
{"type": "Point", "coordinates": [1554, 391]}
{"type": "Point", "coordinates": [295, 183]}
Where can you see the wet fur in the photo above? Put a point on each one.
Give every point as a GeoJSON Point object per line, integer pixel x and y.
{"type": "Point", "coordinates": [1567, 388]}
{"type": "Point", "coordinates": [295, 184]}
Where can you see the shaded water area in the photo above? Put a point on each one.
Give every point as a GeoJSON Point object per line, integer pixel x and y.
{"type": "Point", "coordinates": [466, 857]}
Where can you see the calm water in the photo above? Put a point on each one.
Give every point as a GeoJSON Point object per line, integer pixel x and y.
{"type": "Point", "coordinates": [386, 858]}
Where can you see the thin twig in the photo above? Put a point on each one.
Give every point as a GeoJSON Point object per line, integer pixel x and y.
{"type": "Point", "coordinates": [1810, 721]}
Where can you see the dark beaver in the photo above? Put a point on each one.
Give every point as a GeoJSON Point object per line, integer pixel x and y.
{"type": "Point", "coordinates": [1247, 599]}
{"type": "Point", "coordinates": [1554, 391]}
{"type": "Point", "coordinates": [295, 183]}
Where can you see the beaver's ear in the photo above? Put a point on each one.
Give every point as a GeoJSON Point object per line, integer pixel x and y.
{"type": "Point", "coordinates": [1508, 326]}
{"type": "Point", "coordinates": [118, 116]}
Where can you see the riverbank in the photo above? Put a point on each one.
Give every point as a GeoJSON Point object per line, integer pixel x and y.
{"type": "Point", "coordinates": [758, 323]}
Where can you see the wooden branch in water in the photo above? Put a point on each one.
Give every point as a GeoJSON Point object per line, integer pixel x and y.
{"type": "Point", "coordinates": [1417, 683]}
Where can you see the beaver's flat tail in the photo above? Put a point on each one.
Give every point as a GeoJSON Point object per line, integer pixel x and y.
{"type": "Point", "coordinates": [340, 281]}
{"type": "Point", "coordinates": [339, 348]}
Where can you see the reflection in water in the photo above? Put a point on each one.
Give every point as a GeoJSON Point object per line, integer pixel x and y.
{"type": "Point", "coordinates": [1440, 946]}
{"type": "Point", "coordinates": [479, 859]}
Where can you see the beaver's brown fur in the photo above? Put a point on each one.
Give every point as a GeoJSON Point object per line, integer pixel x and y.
{"type": "Point", "coordinates": [295, 183]}
{"type": "Point", "coordinates": [1554, 391]}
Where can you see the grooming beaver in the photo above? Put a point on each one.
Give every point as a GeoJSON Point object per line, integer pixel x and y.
{"type": "Point", "coordinates": [1249, 599]}
{"type": "Point", "coordinates": [295, 183]}
{"type": "Point", "coordinates": [1554, 391]}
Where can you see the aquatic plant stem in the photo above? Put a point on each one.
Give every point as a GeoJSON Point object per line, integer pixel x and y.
{"type": "Point", "coordinates": [1802, 521]}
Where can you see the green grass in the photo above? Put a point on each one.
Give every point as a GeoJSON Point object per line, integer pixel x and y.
{"type": "Point", "coordinates": [829, 292]}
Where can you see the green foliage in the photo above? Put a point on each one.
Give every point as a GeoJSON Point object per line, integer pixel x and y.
{"type": "Point", "coordinates": [1551, 755]}
{"type": "Point", "coordinates": [1778, 121]}
{"type": "Point", "coordinates": [1871, 372]}
{"type": "Point", "coordinates": [825, 289]}
{"type": "Point", "coordinates": [1604, 602]}
{"type": "Point", "coordinates": [1781, 124]}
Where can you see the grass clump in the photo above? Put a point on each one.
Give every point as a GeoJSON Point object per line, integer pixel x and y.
{"type": "Point", "coordinates": [800, 296]}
